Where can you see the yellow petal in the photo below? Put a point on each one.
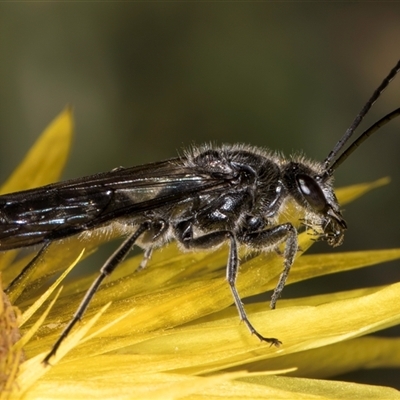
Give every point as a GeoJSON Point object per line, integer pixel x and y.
{"type": "Point", "coordinates": [339, 358]}
{"type": "Point", "coordinates": [353, 192]}
{"type": "Point", "coordinates": [46, 159]}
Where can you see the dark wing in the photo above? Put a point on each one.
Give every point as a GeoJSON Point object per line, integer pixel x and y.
{"type": "Point", "coordinates": [66, 208]}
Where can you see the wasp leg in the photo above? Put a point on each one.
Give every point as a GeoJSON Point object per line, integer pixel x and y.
{"type": "Point", "coordinates": [184, 232]}
{"type": "Point", "coordinates": [274, 236]}
{"type": "Point", "coordinates": [15, 288]}
{"type": "Point", "coordinates": [231, 275]}
{"type": "Point", "coordinates": [146, 257]}
{"type": "Point", "coordinates": [114, 260]}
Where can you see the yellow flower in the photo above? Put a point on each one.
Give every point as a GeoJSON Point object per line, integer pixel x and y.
{"type": "Point", "coordinates": [171, 331]}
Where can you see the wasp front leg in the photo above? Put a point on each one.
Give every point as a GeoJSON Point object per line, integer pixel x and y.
{"type": "Point", "coordinates": [270, 238]}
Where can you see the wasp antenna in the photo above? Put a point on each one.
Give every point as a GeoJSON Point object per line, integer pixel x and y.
{"type": "Point", "coordinates": [366, 134]}
{"type": "Point", "coordinates": [359, 118]}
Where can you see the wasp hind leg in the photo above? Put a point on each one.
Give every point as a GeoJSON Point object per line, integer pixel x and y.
{"type": "Point", "coordinates": [15, 288]}
{"type": "Point", "coordinates": [109, 266]}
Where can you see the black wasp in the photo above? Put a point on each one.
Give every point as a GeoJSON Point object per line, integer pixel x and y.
{"type": "Point", "coordinates": [209, 196]}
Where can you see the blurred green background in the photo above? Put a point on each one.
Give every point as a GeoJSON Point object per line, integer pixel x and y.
{"type": "Point", "coordinates": [146, 79]}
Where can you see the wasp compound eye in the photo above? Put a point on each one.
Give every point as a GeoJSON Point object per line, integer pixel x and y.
{"type": "Point", "coordinates": [312, 192]}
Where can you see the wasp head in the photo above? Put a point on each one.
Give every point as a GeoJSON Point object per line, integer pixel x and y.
{"type": "Point", "coordinates": [313, 191]}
